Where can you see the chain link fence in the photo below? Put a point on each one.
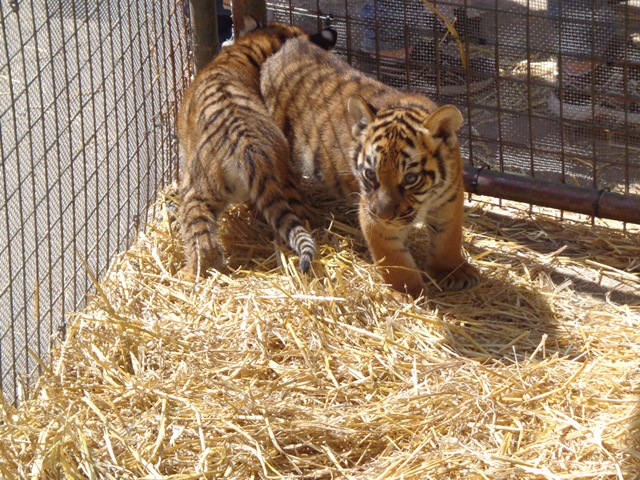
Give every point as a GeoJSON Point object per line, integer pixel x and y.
{"type": "Point", "coordinates": [88, 95]}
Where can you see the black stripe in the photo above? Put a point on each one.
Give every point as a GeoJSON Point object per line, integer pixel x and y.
{"type": "Point", "coordinates": [300, 74]}
{"type": "Point", "coordinates": [187, 213]}
{"type": "Point", "coordinates": [356, 153]}
{"type": "Point", "coordinates": [228, 189]}
{"type": "Point", "coordinates": [289, 184]}
{"type": "Point", "coordinates": [262, 186]}
{"type": "Point", "coordinates": [304, 242]}
{"type": "Point", "coordinates": [441, 164]}
{"type": "Point", "coordinates": [390, 128]}
{"type": "Point", "coordinates": [379, 135]}
{"type": "Point", "coordinates": [336, 87]}
{"type": "Point", "coordinates": [202, 233]}
{"type": "Point", "coordinates": [197, 198]}
{"type": "Point", "coordinates": [214, 118]}
{"type": "Point", "coordinates": [430, 173]}
{"type": "Point", "coordinates": [294, 201]}
{"type": "Point", "coordinates": [268, 202]}
{"type": "Point", "coordinates": [434, 227]}
{"type": "Point", "coordinates": [410, 142]}
{"type": "Point", "coordinates": [216, 123]}
{"type": "Point", "coordinates": [304, 238]}
{"type": "Point", "coordinates": [250, 162]}
{"type": "Point", "coordinates": [234, 134]}
{"type": "Point", "coordinates": [198, 220]}
{"type": "Point", "coordinates": [286, 212]}
{"type": "Point", "coordinates": [207, 99]}
{"type": "Point", "coordinates": [282, 37]}
{"type": "Point", "coordinates": [452, 198]}
{"type": "Point", "coordinates": [287, 128]}
{"type": "Point", "coordinates": [264, 51]}
{"type": "Point", "coordinates": [400, 113]}
{"type": "Point", "coordinates": [386, 113]}
{"type": "Point", "coordinates": [317, 163]}
{"type": "Point", "coordinates": [222, 142]}
{"type": "Point", "coordinates": [422, 192]}
{"type": "Point", "coordinates": [245, 52]}
{"type": "Point", "coordinates": [410, 127]}
{"type": "Point", "coordinates": [385, 124]}
{"type": "Point", "coordinates": [415, 164]}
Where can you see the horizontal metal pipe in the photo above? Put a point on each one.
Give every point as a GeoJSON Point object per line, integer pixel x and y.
{"type": "Point", "coordinates": [598, 203]}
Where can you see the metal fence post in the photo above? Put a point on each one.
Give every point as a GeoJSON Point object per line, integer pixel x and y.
{"type": "Point", "coordinates": [204, 28]}
{"type": "Point", "coordinates": [239, 8]}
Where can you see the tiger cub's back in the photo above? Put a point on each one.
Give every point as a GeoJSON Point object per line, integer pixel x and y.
{"type": "Point", "coordinates": [306, 92]}
{"type": "Point", "coordinates": [233, 152]}
{"type": "Point", "coordinates": [394, 153]}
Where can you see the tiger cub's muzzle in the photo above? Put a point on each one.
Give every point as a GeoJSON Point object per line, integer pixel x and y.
{"type": "Point", "coordinates": [388, 207]}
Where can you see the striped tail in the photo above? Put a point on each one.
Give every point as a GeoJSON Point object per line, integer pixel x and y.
{"type": "Point", "coordinates": [289, 228]}
{"type": "Point", "coordinates": [300, 240]}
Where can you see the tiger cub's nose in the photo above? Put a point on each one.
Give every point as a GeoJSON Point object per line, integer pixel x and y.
{"type": "Point", "coordinates": [384, 206]}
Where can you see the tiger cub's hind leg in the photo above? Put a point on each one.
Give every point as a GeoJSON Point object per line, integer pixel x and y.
{"type": "Point", "coordinates": [199, 213]}
{"type": "Point", "coordinates": [275, 195]}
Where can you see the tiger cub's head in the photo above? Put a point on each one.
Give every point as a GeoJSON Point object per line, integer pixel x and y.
{"type": "Point", "coordinates": [405, 156]}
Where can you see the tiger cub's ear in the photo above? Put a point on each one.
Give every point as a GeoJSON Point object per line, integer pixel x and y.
{"type": "Point", "coordinates": [362, 113]}
{"type": "Point", "coordinates": [325, 38]}
{"type": "Point", "coordinates": [247, 24]}
{"type": "Point", "coordinates": [444, 123]}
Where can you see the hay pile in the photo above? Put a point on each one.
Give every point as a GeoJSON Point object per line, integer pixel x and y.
{"type": "Point", "coordinates": [267, 373]}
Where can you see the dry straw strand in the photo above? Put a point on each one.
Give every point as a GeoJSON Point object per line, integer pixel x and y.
{"type": "Point", "coordinates": [266, 373]}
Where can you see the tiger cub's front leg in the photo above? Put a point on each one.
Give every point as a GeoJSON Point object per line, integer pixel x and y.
{"type": "Point", "coordinates": [388, 249]}
{"type": "Point", "coordinates": [444, 261]}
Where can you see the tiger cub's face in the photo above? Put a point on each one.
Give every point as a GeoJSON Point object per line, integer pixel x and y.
{"type": "Point", "coordinates": [403, 157]}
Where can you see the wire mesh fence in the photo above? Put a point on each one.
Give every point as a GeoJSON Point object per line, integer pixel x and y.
{"type": "Point", "coordinates": [551, 89]}
{"type": "Point", "coordinates": [88, 92]}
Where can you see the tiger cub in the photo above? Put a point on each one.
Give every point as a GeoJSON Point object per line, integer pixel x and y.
{"type": "Point", "coordinates": [234, 152]}
{"type": "Point", "coordinates": [396, 154]}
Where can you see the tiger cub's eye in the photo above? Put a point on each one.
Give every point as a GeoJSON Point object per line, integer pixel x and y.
{"type": "Point", "coordinates": [370, 174]}
{"type": "Point", "coordinates": [411, 178]}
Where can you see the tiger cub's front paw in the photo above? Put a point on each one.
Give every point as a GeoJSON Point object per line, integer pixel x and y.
{"type": "Point", "coordinates": [463, 277]}
{"type": "Point", "coordinates": [405, 282]}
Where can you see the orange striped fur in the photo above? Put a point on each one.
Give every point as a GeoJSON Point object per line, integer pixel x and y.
{"type": "Point", "coordinates": [395, 154]}
{"type": "Point", "coordinates": [234, 152]}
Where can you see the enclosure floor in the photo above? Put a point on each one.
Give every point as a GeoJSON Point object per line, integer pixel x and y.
{"type": "Point", "coordinates": [263, 372]}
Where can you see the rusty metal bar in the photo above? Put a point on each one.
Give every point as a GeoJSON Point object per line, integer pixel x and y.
{"type": "Point", "coordinates": [597, 203]}
{"type": "Point", "coordinates": [204, 30]}
{"type": "Point", "coordinates": [258, 10]}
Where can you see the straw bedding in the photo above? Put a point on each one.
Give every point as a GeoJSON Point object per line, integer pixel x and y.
{"type": "Point", "coordinates": [262, 372]}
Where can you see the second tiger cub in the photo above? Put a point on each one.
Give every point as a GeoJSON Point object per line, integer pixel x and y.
{"type": "Point", "coordinates": [396, 154]}
{"type": "Point", "coordinates": [234, 152]}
